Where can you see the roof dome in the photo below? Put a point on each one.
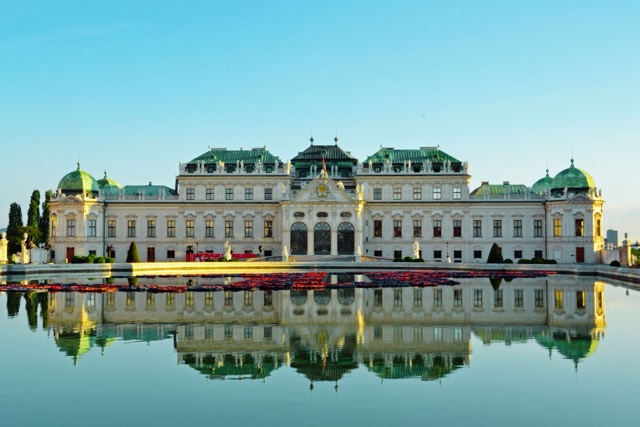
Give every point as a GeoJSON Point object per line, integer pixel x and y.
{"type": "Point", "coordinates": [542, 185]}
{"type": "Point", "coordinates": [77, 182]}
{"type": "Point", "coordinates": [108, 183]}
{"type": "Point", "coordinates": [572, 178]}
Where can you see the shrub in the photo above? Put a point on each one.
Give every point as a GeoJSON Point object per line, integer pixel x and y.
{"type": "Point", "coordinates": [508, 261]}
{"type": "Point", "coordinates": [615, 263]}
{"type": "Point", "coordinates": [495, 255]}
{"type": "Point", "coordinates": [408, 259]}
{"type": "Point", "coordinates": [100, 260]}
{"type": "Point", "coordinates": [397, 260]}
{"type": "Point", "coordinates": [418, 260]}
{"type": "Point", "coordinates": [524, 261]}
{"type": "Point", "coordinates": [537, 260]}
{"type": "Point", "coordinates": [132, 253]}
{"type": "Point", "coordinates": [77, 259]}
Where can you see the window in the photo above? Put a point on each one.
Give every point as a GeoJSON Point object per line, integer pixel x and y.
{"type": "Point", "coordinates": [248, 193]}
{"type": "Point", "coordinates": [457, 254]}
{"type": "Point", "coordinates": [171, 228]}
{"type": "Point", "coordinates": [151, 300]}
{"type": "Point", "coordinates": [71, 228]}
{"type": "Point", "coordinates": [559, 300]}
{"type": "Point", "coordinates": [208, 228]}
{"type": "Point", "coordinates": [437, 193]}
{"type": "Point", "coordinates": [539, 298]}
{"type": "Point", "coordinates": [437, 254]}
{"type": "Point", "coordinates": [397, 228]}
{"type": "Point", "coordinates": [457, 228]}
{"type": "Point", "coordinates": [248, 228]}
{"type": "Point", "coordinates": [497, 298]}
{"type": "Point", "coordinates": [579, 227]}
{"type": "Point", "coordinates": [417, 193]}
{"type": "Point", "coordinates": [151, 228]}
{"type": "Point", "coordinates": [131, 228]}
{"type": "Point", "coordinates": [581, 300]}
{"type": "Point", "coordinates": [437, 228]}
{"type": "Point", "coordinates": [517, 228]}
{"type": "Point", "coordinates": [228, 193]}
{"type": "Point", "coordinates": [188, 299]}
{"type": "Point", "coordinates": [497, 228]}
{"type": "Point", "coordinates": [518, 298]}
{"type": "Point", "coordinates": [377, 253]}
{"type": "Point", "coordinates": [92, 228]}
{"type": "Point", "coordinates": [517, 253]}
{"type": "Point", "coordinates": [377, 228]}
{"type": "Point", "coordinates": [537, 228]}
{"type": "Point", "coordinates": [190, 228]}
{"type": "Point", "coordinates": [397, 193]}
{"type": "Point", "coordinates": [170, 300]}
{"type": "Point", "coordinates": [228, 228]}
{"type": "Point", "coordinates": [457, 193]}
{"type": "Point", "coordinates": [54, 226]}
{"type": "Point", "coordinates": [268, 193]}
{"type": "Point", "coordinates": [397, 297]}
{"type": "Point", "coordinates": [437, 297]}
{"type": "Point", "coordinates": [171, 254]}
{"type": "Point", "coordinates": [477, 298]}
{"type": "Point", "coordinates": [477, 254]}
{"type": "Point", "coordinates": [248, 298]}
{"type": "Point", "coordinates": [477, 228]}
{"type": "Point", "coordinates": [417, 297]}
{"type": "Point", "coordinates": [377, 298]}
{"type": "Point", "coordinates": [268, 298]}
{"type": "Point", "coordinates": [557, 227]}
{"type": "Point", "coordinates": [417, 228]}
{"type": "Point", "coordinates": [191, 193]}
{"type": "Point", "coordinates": [111, 228]}
{"type": "Point", "coordinates": [377, 193]}
{"type": "Point", "coordinates": [397, 254]}
{"type": "Point", "coordinates": [598, 227]}
{"type": "Point", "coordinates": [228, 332]}
{"type": "Point", "coordinates": [210, 194]}
{"type": "Point", "coordinates": [228, 298]}
{"type": "Point", "coordinates": [537, 253]}
{"type": "Point", "coordinates": [268, 228]}
{"type": "Point", "coordinates": [457, 297]}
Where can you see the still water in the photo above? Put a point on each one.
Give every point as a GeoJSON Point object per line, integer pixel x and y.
{"type": "Point", "coordinates": [531, 351]}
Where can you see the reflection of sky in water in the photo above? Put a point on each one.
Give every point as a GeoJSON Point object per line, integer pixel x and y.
{"type": "Point", "coordinates": [390, 358]}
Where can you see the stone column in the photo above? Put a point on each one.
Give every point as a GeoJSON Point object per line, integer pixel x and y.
{"type": "Point", "coordinates": [4, 244]}
{"type": "Point", "coordinates": [334, 241]}
{"type": "Point", "coordinates": [310, 250]}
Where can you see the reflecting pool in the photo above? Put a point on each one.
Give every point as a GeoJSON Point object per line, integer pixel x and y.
{"type": "Point", "coordinates": [553, 350]}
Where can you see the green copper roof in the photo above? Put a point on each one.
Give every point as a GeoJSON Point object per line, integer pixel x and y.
{"type": "Point", "coordinates": [498, 189]}
{"type": "Point", "coordinates": [148, 190]}
{"type": "Point", "coordinates": [331, 154]}
{"type": "Point", "coordinates": [433, 154]}
{"type": "Point", "coordinates": [252, 156]}
{"type": "Point", "coordinates": [572, 178]}
{"type": "Point", "coordinates": [542, 185]}
{"type": "Point", "coordinates": [106, 183]}
{"type": "Point", "coordinates": [78, 181]}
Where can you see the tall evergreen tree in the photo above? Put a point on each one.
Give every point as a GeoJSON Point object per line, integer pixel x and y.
{"type": "Point", "coordinates": [132, 253]}
{"type": "Point", "coordinates": [44, 218]}
{"type": "Point", "coordinates": [33, 218]}
{"type": "Point", "coordinates": [15, 228]}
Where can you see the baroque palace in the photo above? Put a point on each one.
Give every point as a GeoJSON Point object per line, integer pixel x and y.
{"type": "Point", "coordinates": [326, 203]}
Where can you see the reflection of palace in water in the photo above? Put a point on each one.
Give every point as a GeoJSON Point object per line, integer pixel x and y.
{"type": "Point", "coordinates": [324, 334]}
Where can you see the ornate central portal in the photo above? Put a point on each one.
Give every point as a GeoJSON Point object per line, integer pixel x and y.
{"type": "Point", "coordinates": [298, 239]}
{"type": "Point", "coordinates": [322, 239]}
{"type": "Point", "coordinates": [346, 239]}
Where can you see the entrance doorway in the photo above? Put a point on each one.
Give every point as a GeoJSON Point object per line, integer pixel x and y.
{"type": "Point", "coordinates": [298, 244]}
{"type": "Point", "coordinates": [580, 254]}
{"type": "Point", "coordinates": [151, 254]}
{"type": "Point", "coordinates": [346, 239]}
{"type": "Point", "coordinates": [322, 239]}
{"type": "Point", "coordinates": [70, 253]}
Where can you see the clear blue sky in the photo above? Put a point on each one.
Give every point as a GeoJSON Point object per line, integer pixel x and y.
{"type": "Point", "coordinates": [135, 87]}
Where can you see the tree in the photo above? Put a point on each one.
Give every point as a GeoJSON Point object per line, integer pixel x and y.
{"type": "Point", "coordinates": [495, 255]}
{"type": "Point", "coordinates": [43, 225]}
{"type": "Point", "coordinates": [15, 229]}
{"type": "Point", "coordinates": [132, 253]}
{"type": "Point", "coordinates": [33, 218]}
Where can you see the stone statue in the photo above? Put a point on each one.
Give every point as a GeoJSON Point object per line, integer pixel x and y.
{"type": "Point", "coordinates": [416, 250]}
{"type": "Point", "coordinates": [340, 185]}
{"type": "Point", "coordinates": [359, 250]}
{"type": "Point", "coordinates": [288, 168]}
{"type": "Point", "coordinates": [4, 244]}
{"type": "Point", "coordinates": [285, 254]}
{"type": "Point", "coordinates": [227, 250]}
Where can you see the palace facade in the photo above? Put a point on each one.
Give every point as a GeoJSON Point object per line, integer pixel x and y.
{"type": "Point", "coordinates": [326, 203]}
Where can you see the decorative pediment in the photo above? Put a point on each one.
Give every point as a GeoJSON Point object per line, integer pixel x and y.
{"type": "Point", "coordinates": [70, 200]}
{"type": "Point", "coordinates": [580, 198]}
{"type": "Point", "coordinates": [324, 189]}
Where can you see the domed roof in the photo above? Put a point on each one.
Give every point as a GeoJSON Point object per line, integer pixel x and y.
{"type": "Point", "coordinates": [78, 181]}
{"type": "Point", "coordinates": [572, 178]}
{"type": "Point", "coordinates": [542, 185]}
{"type": "Point", "coordinates": [108, 183]}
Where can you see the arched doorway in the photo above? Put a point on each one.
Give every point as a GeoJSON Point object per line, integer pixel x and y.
{"type": "Point", "coordinates": [346, 240]}
{"type": "Point", "coordinates": [298, 238]}
{"type": "Point", "coordinates": [322, 239]}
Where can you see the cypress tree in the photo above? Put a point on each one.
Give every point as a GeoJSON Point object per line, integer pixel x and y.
{"type": "Point", "coordinates": [33, 218]}
{"type": "Point", "coordinates": [15, 228]}
{"type": "Point", "coordinates": [43, 224]}
{"type": "Point", "coordinates": [495, 255]}
{"type": "Point", "coordinates": [132, 253]}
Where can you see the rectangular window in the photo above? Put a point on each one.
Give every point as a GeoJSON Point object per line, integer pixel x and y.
{"type": "Point", "coordinates": [417, 228]}
{"type": "Point", "coordinates": [397, 193]}
{"type": "Point", "coordinates": [537, 228]}
{"type": "Point", "coordinates": [517, 253]}
{"type": "Point", "coordinates": [397, 254]}
{"type": "Point", "coordinates": [228, 332]}
{"type": "Point", "coordinates": [598, 227]}
{"type": "Point", "coordinates": [397, 228]}
{"type": "Point", "coordinates": [228, 193]}
{"type": "Point", "coordinates": [537, 253]}
{"type": "Point", "coordinates": [268, 228]}
{"type": "Point", "coordinates": [437, 193]}
{"type": "Point", "coordinates": [228, 228]}
{"type": "Point", "coordinates": [497, 228]}
{"type": "Point", "coordinates": [248, 193]}
{"type": "Point", "coordinates": [477, 254]}
{"type": "Point", "coordinates": [208, 228]}
{"type": "Point", "coordinates": [377, 228]}
{"type": "Point", "coordinates": [131, 228]}
{"type": "Point", "coordinates": [517, 228]}
{"type": "Point", "coordinates": [111, 228]}
{"type": "Point", "coordinates": [248, 298]}
{"type": "Point", "coordinates": [579, 227]}
{"type": "Point", "coordinates": [457, 228]}
{"type": "Point", "coordinates": [539, 298]}
{"type": "Point", "coordinates": [437, 228]}
{"type": "Point", "coordinates": [92, 228]}
{"type": "Point", "coordinates": [477, 298]}
{"type": "Point", "coordinates": [457, 193]}
{"type": "Point", "coordinates": [248, 228]}
{"type": "Point", "coordinates": [248, 332]}
{"type": "Point", "coordinates": [151, 228]}
{"type": "Point", "coordinates": [268, 298]}
{"type": "Point", "coordinates": [581, 300]}
{"type": "Point", "coordinates": [477, 228]}
{"type": "Point", "coordinates": [171, 228]}
{"type": "Point", "coordinates": [417, 193]}
{"type": "Point", "coordinates": [228, 298]}
{"type": "Point", "coordinates": [497, 298]}
{"type": "Point", "coordinates": [170, 300]}
{"type": "Point", "coordinates": [171, 254]}
{"type": "Point", "coordinates": [457, 254]}
{"type": "Point", "coordinates": [557, 227]}
{"type": "Point", "coordinates": [457, 297]}
{"type": "Point", "coordinates": [190, 228]}
{"type": "Point", "coordinates": [377, 193]}
{"type": "Point", "coordinates": [377, 253]}
{"type": "Point", "coordinates": [417, 297]}
{"type": "Point", "coordinates": [377, 298]}
{"type": "Point", "coordinates": [191, 193]}
{"type": "Point", "coordinates": [437, 297]}
{"type": "Point", "coordinates": [268, 193]}
{"type": "Point", "coordinates": [397, 297]}
{"type": "Point", "coordinates": [71, 228]}
{"type": "Point", "coordinates": [210, 194]}
{"type": "Point", "coordinates": [518, 298]}
{"type": "Point", "coordinates": [437, 254]}
{"type": "Point", "coordinates": [559, 300]}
